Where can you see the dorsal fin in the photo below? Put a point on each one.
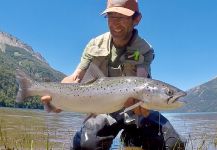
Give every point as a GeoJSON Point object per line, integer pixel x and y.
{"type": "Point", "coordinates": [92, 74]}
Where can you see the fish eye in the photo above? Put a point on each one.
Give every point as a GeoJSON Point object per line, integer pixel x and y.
{"type": "Point", "coordinates": [169, 92]}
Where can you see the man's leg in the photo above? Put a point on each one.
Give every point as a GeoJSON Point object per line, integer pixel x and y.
{"type": "Point", "coordinates": [152, 132]}
{"type": "Point", "coordinates": [87, 138]}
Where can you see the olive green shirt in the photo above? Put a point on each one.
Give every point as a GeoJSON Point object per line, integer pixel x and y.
{"type": "Point", "coordinates": [112, 61]}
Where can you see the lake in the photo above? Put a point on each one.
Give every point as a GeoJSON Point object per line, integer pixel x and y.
{"type": "Point", "coordinates": [36, 129]}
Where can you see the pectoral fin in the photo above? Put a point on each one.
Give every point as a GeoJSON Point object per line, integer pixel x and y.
{"type": "Point", "coordinates": [132, 107]}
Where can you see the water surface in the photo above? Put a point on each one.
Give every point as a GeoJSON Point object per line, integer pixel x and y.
{"type": "Point", "coordinates": [22, 129]}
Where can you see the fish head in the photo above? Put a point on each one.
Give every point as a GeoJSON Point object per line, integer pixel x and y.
{"type": "Point", "coordinates": [163, 96]}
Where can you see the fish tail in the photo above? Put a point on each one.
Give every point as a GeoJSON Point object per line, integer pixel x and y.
{"type": "Point", "coordinates": [25, 82]}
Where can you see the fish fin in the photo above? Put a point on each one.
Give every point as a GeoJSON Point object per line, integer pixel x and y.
{"type": "Point", "coordinates": [88, 80]}
{"type": "Point", "coordinates": [132, 107]}
{"type": "Point", "coordinates": [92, 74]}
{"type": "Point", "coordinates": [25, 82]}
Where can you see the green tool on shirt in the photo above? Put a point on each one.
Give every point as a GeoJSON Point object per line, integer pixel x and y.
{"type": "Point", "coordinates": [132, 55]}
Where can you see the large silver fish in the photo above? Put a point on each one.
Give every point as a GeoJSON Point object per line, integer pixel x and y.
{"type": "Point", "coordinates": [103, 95]}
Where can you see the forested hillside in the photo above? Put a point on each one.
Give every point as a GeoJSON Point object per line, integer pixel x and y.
{"type": "Point", "coordinates": [11, 58]}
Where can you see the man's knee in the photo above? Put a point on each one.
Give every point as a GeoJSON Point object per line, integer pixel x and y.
{"type": "Point", "coordinates": [87, 137]}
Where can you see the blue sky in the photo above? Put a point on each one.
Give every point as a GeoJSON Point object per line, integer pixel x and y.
{"type": "Point", "coordinates": [182, 32]}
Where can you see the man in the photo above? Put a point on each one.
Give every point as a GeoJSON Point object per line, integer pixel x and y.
{"type": "Point", "coordinates": [120, 52]}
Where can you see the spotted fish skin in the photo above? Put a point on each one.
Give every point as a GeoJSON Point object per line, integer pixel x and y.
{"type": "Point", "coordinates": [104, 95]}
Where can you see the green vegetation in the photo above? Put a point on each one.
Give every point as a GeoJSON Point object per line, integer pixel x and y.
{"type": "Point", "coordinates": [14, 58]}
{"type": "Point", "coordinates": [204, 142]}
{"type": "Point", "coordinates": [27, 132]}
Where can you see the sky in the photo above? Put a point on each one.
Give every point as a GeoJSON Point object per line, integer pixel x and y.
{"type": "Point", "coordinates": [183, 34]}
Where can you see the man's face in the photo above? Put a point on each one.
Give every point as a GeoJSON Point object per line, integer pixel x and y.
{"type": "Point", "coordinates": [120, 26]}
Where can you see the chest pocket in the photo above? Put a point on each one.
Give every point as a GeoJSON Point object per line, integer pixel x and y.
{"type": "Point", "coordinates": [129, 66]}
{"type": "Point", "coordinates": [128, 69]}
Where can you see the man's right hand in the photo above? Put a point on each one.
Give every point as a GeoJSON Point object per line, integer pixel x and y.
{"type": "Point", "coordinates": [74, 78]}
{"type": "Point", "coordinates": [48, 106]}
{"type": "Point", "coordinates": [46, 99]}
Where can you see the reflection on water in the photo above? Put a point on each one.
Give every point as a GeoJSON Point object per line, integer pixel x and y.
{"type": "Point", "coordinates": [59, 128]}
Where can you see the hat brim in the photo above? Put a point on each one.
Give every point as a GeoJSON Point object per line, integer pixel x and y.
{"type": "Point", "coordinates": [121, 10]}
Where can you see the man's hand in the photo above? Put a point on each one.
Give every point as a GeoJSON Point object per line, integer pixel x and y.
{"type": "Point", "coordinates": [46, 99]}
{"type": "Point", "coordinates": [50, 108]}
{"type": "Point", "coordinates": [71, 79]}
{"type": "Point", "coordinates": [138, 110]}
{"type": "Point", "coordinates": [76, 77]}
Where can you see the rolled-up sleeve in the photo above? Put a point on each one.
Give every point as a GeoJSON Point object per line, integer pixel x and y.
{"type": "Point", "coordinates": [86, 58]}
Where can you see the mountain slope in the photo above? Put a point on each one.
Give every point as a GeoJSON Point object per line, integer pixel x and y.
{"type": "Point", "coordinates": [22, 56]}
{"type": "Point", "coordinates": [202, 98]}
{"type": "Point", "coordinates": [9, 39]}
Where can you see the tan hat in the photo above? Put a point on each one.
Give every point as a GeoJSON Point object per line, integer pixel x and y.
{"type": "Point", "coordinates": [125, 7]}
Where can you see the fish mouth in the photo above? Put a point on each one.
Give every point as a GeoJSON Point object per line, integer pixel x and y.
{"type": "Point", "coordinates": [174, 98]}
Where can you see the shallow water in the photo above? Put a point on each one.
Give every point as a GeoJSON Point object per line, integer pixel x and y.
{"type": "Point", "coordinates": [41, 130]}
{"type": "Point", "coordinates": [19, 127]}
{"type": "Point", "coordinates": [199, 128]}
